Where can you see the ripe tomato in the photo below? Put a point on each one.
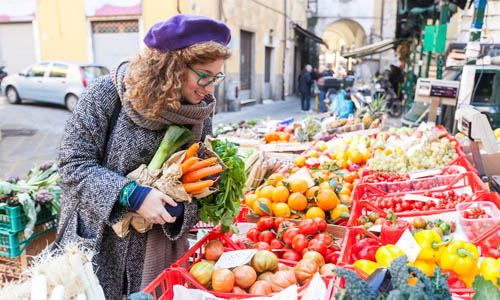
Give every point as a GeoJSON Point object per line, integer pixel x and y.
{"type": "Point", "coordinates": [277, 223]}
{"type": "Point", "coordinates": [265, 223]}
{"type": "Point", "coordinates": [244, 243]}
{"type": "Point", "coordinates": [321, 223]}
{"type": "Point", "coordinates": [299, 242]}
{"type": "Point", "coordinates": [253, 234]}
{"type": "Point", "coordinates": [318, 246]}
{"type": "Point", "coordinates": [289, 235]}
{"type": "Point", "coordinates": [291, 255]}
{"type": "Point", "coordinates": [286, 225]}
{"type": "Point", "coordinates": [262, 246]}
{"type": "Point", "coordinates": [325, 238]}
{"type": "Point", "coordinates": [266, 236]}
{"type": "Point", "coordinates": [308, 226]}
{"type": "Point", "coordinates": [276, 244]}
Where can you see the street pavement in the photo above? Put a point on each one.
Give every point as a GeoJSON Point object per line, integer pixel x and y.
{"type": "Point", "coordinates": [32, 132]}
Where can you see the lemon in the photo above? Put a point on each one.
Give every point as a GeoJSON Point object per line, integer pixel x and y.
{"type": "Point", "coordinates": [497, 132]}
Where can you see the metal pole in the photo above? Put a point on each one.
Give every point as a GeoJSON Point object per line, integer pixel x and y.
{"type": "Point", "coordinates": [284, 49]}
{"type": "Point", "coordinates": [443, 19]}
{"type": "Point", "coordinates": [420, 59]}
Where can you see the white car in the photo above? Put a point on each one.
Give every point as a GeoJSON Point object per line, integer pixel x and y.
{"type": "Point", "coordinates": [58, 82]}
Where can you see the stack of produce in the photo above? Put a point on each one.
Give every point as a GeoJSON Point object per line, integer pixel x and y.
{"type": "Point", "coordinates": [258, 166]}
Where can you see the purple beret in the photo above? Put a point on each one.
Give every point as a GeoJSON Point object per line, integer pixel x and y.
{"type": "Point", "coordinates": [181, 31]}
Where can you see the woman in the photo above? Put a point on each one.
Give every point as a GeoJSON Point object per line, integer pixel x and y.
{"type": "Point", "coordinates": [171, 82]}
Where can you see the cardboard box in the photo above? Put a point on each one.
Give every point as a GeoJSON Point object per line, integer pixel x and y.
{"type": "Point", "coordinates": [491, 163]}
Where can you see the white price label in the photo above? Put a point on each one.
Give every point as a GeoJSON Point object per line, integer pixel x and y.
{"type": "Point", "coordinates": [409, 245]}
{"type": "Point", "coordinates": [424, 174]}
{"type": "Point", "coordinates": [376, 228]}
{"type": "Point", "coordinates": [235, 258]}
{"type": "Point", "coordinates": [420, 198]}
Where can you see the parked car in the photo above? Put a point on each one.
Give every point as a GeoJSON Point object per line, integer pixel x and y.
{"type": "Point", "coordinates": [58, 82]}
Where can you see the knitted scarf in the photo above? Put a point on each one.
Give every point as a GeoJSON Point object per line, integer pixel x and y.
{"type": "Point", "coordinates": [191, 115]}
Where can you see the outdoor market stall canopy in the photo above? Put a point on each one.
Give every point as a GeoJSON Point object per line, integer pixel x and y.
{"type": "Point", "coordinates": [371, 49]}
{"type": "Point", "coordinates": [309, 34]}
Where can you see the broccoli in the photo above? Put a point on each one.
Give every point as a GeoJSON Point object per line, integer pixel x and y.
{"type": "Point", "coordinates": [356, 288]}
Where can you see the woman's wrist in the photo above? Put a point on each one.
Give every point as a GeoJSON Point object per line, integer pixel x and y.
{"type": "Point", "coordinates": [133, 195]}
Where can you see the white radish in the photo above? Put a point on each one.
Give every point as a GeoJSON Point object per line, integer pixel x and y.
{"type": "Point", "coordinates": [57, 293]}
{"type": "Point", "coordinates": [76, 263]}
{"type": "Point", "coordinates": [39, 288]}
{"type": "Point", "coordinates": [91, 291]}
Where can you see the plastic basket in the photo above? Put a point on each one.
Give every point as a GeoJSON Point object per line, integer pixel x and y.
{"type": "Point", "coordinates": [13, 219]}
{"type": "Point", "coordinates": [162, 287]}
{"type": "Point", "coordinates": [13, 244]}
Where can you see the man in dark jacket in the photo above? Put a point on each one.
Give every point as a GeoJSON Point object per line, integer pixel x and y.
{"type": "Point", "coordinates": [305, 82]}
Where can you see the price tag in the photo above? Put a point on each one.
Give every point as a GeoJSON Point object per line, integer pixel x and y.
{"type": "Point", "coordinates": [424, 174]}
{"type": "Point", "coordinates": [376, 228]}
{"type": "Point", "coordinates": [235, 258]}
{"type": "Point", "coordinates": [409, 245]}
{"type": "Point", "coordinates": [420, 198]}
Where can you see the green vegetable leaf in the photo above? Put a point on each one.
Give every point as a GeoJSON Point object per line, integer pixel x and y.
{"type": "Point", "coordinates": [30, 211]}
{"type": "Point", "coordinates": [485, 289]}
{"type": "Point", "coordinates": [264, 208]}
{"type": "Point", "coordinates": [333, 183]}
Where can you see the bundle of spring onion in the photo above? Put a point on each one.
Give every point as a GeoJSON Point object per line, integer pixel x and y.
{"type": "Point", "coordinates": [67, 276]}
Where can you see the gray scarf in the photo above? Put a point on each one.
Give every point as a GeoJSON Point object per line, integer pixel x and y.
{"type": "Point", "coordinates": [188, 114]}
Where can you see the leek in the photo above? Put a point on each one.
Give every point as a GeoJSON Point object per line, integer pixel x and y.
{"type": "Point", "coordinates": [174, 138]}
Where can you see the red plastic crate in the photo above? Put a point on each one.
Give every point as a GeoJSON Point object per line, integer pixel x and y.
{"type": "Point", "coordinates": [240, 219]}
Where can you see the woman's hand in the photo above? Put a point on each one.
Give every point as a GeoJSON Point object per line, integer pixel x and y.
{"type": "Point", "coordinates": [153, 210]}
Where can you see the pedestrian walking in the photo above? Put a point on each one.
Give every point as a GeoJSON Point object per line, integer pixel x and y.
{"type": "Point", "coordinates": [305, 83]}
{"type": "Point", "coordinates": [118, 125]}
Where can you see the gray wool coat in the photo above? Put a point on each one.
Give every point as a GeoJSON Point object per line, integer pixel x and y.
{"type": "Point", "coordinates": [96, 178]}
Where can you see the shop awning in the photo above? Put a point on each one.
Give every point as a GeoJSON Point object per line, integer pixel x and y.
{"type": "Point", "coordinates": [371, 49]}
{"type": "Point", "coordinates": [309, 34]}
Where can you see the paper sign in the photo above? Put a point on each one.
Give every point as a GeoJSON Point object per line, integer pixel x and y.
{"type": "Point", "coordinates": [424, 174]}
{"type": "Point", "coordinates": [303, 174]}
{"type": "Point", "coordinates": [420, 198]}
{"type": "Point", "coordinates": [376, 228]}
{"type": "Point", "coordinates": [235, 258]}
{"type": "Point", "coordinates": [316, 289]}
{"type": "Point", "coordinates": [409, 245]}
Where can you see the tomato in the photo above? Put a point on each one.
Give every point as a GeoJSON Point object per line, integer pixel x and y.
{"type": "Point", "coordinates": [265, 223]}
{"type": "Point", "coordinates": [289, 234]}
{"type": "Point", "coordinates": [222, 280]}
{"type": "Point", "coordinates": [304, 270]}
{"type": "Point", "coordinates": [318, 246]}
{"type": "Point", "coordinates": [327, 269]}
{"type": "Point", "coordinates": [261, 287]}
{"type": "Point", "coordinates": [321, 223]}
{"type": "Point", "coordinates": [313, 255]}
{"type": "Point", "coordinates": [325, 238]}
{"type": "Point", "coordinates": [276, 244]}
{"type": "Point", "coordinates": [262, 246]}
{"type": "Point", "coordinates": [238, 290]}
{"type": "Point", "coordinates": [286, 225]}
{"type": "Point", "coordinates": [291, 255]}
{"type": "Point", "coordinates": [308, 226]}
{"type": "Point", "coordinates": [253, 234]}
{"type": "Point", "coordinates": [213, 250]}
{"type": "Point", "coordinates": [277, 223]}
{"type": "Point", "coordinates": [244, 243]}
{"type": "Point", "coordinates": [264, 260]}
{"type": "Point", "coordinates": [244, 276]}
{"type": "Point", "coordinates": [202, 272]}
{"type": "Point", "coordinates": [266, 236]}
{"type": "Point", "coordinates": [282, 279]}
{"type": "Point", "coordinates": [299, 242]}
{"type": "Point", "coordinates": [266, 276]}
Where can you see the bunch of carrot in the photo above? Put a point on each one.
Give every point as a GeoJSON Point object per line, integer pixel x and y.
{"type": "Point", "coordinates": [195, 169]}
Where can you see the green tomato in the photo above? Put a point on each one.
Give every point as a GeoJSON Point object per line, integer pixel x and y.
{"type": "Point", "coordinates": [445, 227]}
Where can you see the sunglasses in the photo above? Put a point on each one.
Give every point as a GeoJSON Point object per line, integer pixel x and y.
{"type": "Point", "coordinates": [207, 79]}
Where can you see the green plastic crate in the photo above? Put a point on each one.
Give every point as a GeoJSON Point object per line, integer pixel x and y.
{"type": "Point", "coordinates": [13, 219]}
{"type": "Point", "coordinates": [13, 244]}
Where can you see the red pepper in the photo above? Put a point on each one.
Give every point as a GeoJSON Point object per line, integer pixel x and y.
{"type": "Point", "coordinates": [335, 258]}
{"type": "Point", "coordinates": [364, 249]}
{"type": "Point", "coordinates": [491, 247]}
{"type": "Point", "coordinates": [392, 229]}
{"type": "Point", "coordinates": [453, 281]}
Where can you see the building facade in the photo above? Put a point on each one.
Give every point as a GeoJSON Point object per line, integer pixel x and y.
{"type": "Point", "coordinates": [263, 64]}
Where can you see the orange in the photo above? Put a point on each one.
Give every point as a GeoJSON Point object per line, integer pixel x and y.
{"type": "Point", "coordinates": [337, 211]}
{"type": "Point", "coordinates": [274, 179]}
{"type": "Point", "coordinates": [348, 185]}
{"type": "Point", "coordinates": [327, 199]}
{"type": "Point", "coordinates": [387, 152]}
{"type": "Point", "coordinates": [267, 192]}
{"type": "Point", "coordinates": [297, 201]}
{"type": "Point", "coordinates": [257, 190]}
{"type": "Point", "coordinates": [315, 212]}
{"type": "Point", "coordinates": [260, 205]}
{"type": "Point", "coordinates": [313, 153]}
{"type": "Point", "coordinates": [300, 161]}
{"type": "Point", "coordinates": [366, 156]}
{"type": "Point", "coordinates": [281, 210]}
{"type": "Point", "coordinates": [298, 185]}
{"type": "Point", "coordinates": [325, 185]}
{"type": "Point", "coordinates": [349, 177]}
{"type": "Point", "coordinates": [250, 199]}
{"type": "Point", "coordinates": [345, 191]}
{"type": "Point", "coordinates": [310, 192]}
{"type": "Point", "coordinates": [357, 157]}
{"type": "Point", "coordinates": [345, 198]}
{"type": "Point", "coordinates": [280, 194]}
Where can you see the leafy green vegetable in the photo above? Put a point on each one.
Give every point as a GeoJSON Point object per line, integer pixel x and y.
{"type": "Point", "coordinates": [356, 288]}
{"type": "Point", "coordinates": [30, 209]}
{"type": "Point", "coordinates": [224, 205]}
{"type": "Point", "coordinates": [485, 289]}
{"type": "Point", "coordinates": [174, 138]}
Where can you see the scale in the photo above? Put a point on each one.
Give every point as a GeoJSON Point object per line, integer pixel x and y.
{"type": "Point", "coordinates": [436, 92]}
{"type": "Point", "coordinates": [477, 128]}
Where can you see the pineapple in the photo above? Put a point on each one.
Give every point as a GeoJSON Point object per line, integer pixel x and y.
{"type": "Point", "coordinates": [373, 111]}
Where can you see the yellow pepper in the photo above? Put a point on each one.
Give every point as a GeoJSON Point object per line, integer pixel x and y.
{"type": "Point", "coordinates": [490, 269]}
{"type": "Point", "coordinates": [431, 244]}
{"type": "Point", "coordinates": [366, 266]}
{"type": "Point", "coordinates": [425, 266]}
{"type": "Point", "coordinates": [468, 279]}
{"type": "Point", "coordinates": [386, 254]}
{"type": "Point", "coordinates": [459, 257]}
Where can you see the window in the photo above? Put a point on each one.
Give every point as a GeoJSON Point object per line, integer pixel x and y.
{"type": "Point", "coordinates": [38, 70]}
{"type": "Point", "coordinates": [58, 70]}
{"type": "Point", "coordinates": [484, 88]}
{"type": "Point", "coordinates": [92, 72]}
